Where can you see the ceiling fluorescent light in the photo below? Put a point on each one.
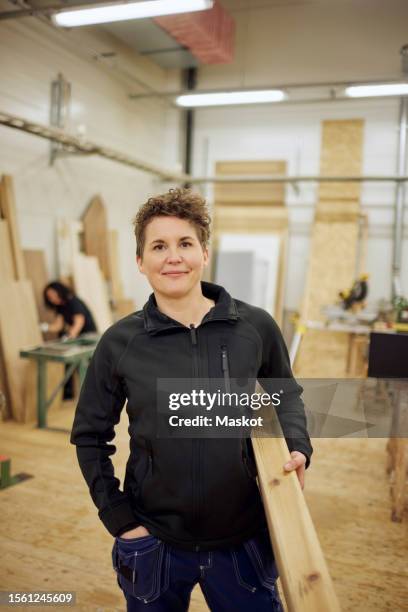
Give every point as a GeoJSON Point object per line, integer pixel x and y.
{"type": "Point", "coordinates": [107, 13]}
{"type": "Point", "coordinates": [231, 97]}
{"type": "Point", "coordinates": [386, 89]}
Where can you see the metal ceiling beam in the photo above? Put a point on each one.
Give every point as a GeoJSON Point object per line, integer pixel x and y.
{"type": "Point", "coordinates": [299, 179]}
{"type": "Point", "coordinates": [74, 144]}
{"type": "Point", "coordinates": [331, 87]}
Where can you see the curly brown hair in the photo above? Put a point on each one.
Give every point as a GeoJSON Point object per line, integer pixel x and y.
{"type": "Point", "coordinates": [181, 203]}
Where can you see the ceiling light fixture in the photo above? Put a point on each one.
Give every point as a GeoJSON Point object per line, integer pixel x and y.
{"type": "Point", "coordinates": [230, 97]}
{"type": "Point", "coordinates": [384, 89]}
{"type": "Point", "coordinates": [107, 13]}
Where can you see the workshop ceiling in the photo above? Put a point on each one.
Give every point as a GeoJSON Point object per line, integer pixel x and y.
{"type": "Point", "coordinates": [148, 39]}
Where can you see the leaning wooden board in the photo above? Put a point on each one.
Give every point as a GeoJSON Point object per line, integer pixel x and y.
{"type": "Point", "coordinates": [91, 287]}
{"type": "Point", "coordinates": [6, 256]}
{"type": "Point", "coordinates": [96, 235]}
{"type": "Point", "coordinates": [116, 280]}
{"type": "Point", "coordinates": [333, 250]}
{"type": "Point", "coordinates": [37, 273]}
{"type": "Point", "coordinates": [8, 212]}
{"type": "Point", "coordinates": [18, 329]}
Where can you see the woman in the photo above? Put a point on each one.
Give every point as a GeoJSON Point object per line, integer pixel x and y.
{"type": "Point", "coordinates": [73, 318]}
{"type": "Point", "coordinates": [190, 510]}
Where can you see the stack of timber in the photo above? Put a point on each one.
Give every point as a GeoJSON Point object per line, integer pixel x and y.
{"type": "Point", "coordinates": [19, 318]}
{"type": "Point", "coordinates": [253, 208]}
{"type": "Point", "coordinates": [334, 250]}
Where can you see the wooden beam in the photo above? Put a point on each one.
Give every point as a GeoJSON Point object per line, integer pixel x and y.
{"type": "Point", "coordinates": [303, 571]}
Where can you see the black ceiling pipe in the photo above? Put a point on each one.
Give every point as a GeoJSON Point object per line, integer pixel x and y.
{"type": "Point", "coordinates": [190, 81]}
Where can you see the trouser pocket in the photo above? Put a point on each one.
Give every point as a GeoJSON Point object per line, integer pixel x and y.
{"type": "Point", "coordinates": [142, 566]}
{"type": "Point", "coordinates": [260, 552]}
{"type": "Point", "coordinates": [254, 563]}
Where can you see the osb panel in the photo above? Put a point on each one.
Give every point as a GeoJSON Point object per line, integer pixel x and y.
{"type": "Point", "coordinates": [334, 249]}
{"type": "Point", "coordinates": [250, 193]}
{"type": "Point", "coordinates": [341, 155]}
{"type": "Point", "coordinates": [331, 265]}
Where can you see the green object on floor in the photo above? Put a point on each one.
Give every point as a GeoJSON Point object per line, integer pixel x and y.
{"type": "Point", "coordinates": [6, 479]}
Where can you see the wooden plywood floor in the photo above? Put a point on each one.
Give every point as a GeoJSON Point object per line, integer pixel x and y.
{"type": "Point", "coordinates": [51, 537]}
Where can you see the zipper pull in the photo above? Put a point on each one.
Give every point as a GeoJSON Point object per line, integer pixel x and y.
{"type": "Point", "coordinates": [225, 368]}
{"type": "Point", "coordinates": [224, 360]}
{"type": "Point", "coordinates": [193, 334]}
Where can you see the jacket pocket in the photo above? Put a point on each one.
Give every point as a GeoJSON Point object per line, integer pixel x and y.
{"type": "Point", "coordinates": [142, 566]}
{"type": "Point", "coordinates": [141, 480]}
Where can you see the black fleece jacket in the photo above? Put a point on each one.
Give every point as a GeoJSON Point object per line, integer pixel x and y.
{"type": "Point", "coordinates": [194, 493]}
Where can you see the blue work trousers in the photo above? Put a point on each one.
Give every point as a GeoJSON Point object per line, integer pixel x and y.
{"type": "Point", "coordinates": [158, 577]}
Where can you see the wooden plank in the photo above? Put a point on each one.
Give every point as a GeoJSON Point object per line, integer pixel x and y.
{"type": "Point", "coordinates": [269, 194]}
{"type": "Point", "coordinates": [9, 212]}
{"type": "Point", "coordinates": [96, 236]}
{"type": "Point", "coordinates": [116, 279]}
{"type": "Point", "coordinates": [18, 329]}
{"type": "Point", "coordinates": [303, 571]}
{"type": "Point", "coordinates": [6, 256]}
{"type": "Point", "coordinates": [91, 287]}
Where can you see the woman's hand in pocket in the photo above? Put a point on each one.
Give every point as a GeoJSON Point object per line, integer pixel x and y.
{"type": "Point", "coordinates": [137, 532]}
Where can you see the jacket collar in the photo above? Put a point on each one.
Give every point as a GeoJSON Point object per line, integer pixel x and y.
{"type": "Point", "coordinates": [224, 310]}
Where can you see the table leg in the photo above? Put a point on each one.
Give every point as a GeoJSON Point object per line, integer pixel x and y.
{"type": "Point", "coordinates": [41, 393]}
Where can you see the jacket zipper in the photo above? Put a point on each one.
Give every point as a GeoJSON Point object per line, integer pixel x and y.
{"type": "Point", "coordinates": [225, 368]}
{"type": "Point", "coordinates": [196, 442]}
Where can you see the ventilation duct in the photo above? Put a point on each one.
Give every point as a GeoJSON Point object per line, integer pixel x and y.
{"type": "Point", "coordinates": [209, 35]}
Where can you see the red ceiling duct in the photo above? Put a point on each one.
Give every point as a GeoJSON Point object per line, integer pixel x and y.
{"type": "Point", "coordinates": [209, 35]}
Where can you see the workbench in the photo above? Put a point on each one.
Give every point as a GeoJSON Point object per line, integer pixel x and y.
{"type": "Point", "coordinates": [75, 354]}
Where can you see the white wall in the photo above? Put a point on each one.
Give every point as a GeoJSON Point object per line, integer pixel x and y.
{"type": "Point", "coordinates": [31, 55]}
{"type": "Point", "coordinates": [293, 133]}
